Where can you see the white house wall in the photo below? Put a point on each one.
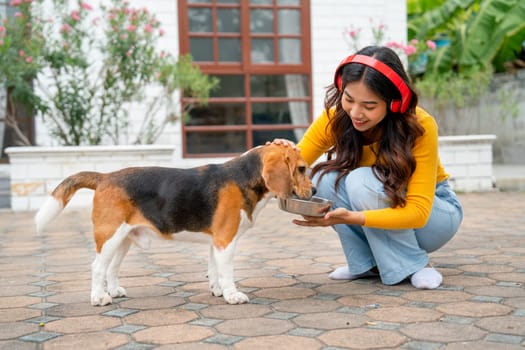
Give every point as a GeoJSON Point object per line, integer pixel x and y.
{"type": "Point", "coordinates": [329, 18]}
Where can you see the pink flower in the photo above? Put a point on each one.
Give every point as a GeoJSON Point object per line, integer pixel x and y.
{"type": "Point", "coordinates": [29, 59]}
{"type": "Point", "coordinates": [21, 53]}
{"type": "Point", "coordinates": [86, 6]}
{"type": "Point", "coordinates": [2, 29]}
{"type": "Point", "coordinates": [128, 53]}
{"type": "Point", "coordinates": [15, 2]}
{"type": "Point", "coordinates": [394, 44]}
{"type": "Point", "coordinates": [353, 33]}
{"type": "Point", "coordinates": [131, 28]}
{"type": "Point", "coordinates": [75, 15]}
{"type": "Point", "coordinates": [148, 28]}
{"type": "Point", "coordinates": [410, 50]}
{"type": "Point", "coordinates": [431, 44]}
{"type": "Point", "coordinates": [66, 28]}
{"type": "Point", "coordinates": [162, 32]}
{"type": "Point", "coordinates": [18, 14]}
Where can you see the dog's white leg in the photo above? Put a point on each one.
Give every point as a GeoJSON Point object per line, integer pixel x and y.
{"type": "Point", "coordinates": [100, 266]}
{"type": "Point", "coordinates": [213, 275]}
{"type": "Point", "coordinates": [224, 262]}
{"type": "Point", "coordinates": [113, 287]}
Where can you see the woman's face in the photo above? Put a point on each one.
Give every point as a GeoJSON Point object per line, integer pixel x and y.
{"type": "Point", "coordinates": [363, 106]}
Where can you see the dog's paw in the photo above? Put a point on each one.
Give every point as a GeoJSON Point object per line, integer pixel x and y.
{"type": "Point", "coordinates": [236, 298]}
{"type": "Point", "coordinates": [216, 290]}
{"type": "Point", "coordinates": [101, 300]}
{"type": "Point", "coordinates": [118, 292]}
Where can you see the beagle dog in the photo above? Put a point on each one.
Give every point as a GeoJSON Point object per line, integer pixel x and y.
{"type": "Point", "coordinates": [222, 200]}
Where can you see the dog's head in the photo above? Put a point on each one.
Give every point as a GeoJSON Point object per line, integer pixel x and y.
{"type": "Point", "coordinates": [284, 172]}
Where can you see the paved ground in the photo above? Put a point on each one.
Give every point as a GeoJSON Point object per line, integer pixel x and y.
{"type": "Point", "coordinates": [44, 289]}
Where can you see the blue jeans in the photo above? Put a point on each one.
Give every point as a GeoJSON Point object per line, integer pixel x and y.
{"type": "Point", "coordinates": [396, 253]}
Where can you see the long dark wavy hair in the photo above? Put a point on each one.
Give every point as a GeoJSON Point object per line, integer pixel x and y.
{"type": "Point", "coordinates": [395, 162]}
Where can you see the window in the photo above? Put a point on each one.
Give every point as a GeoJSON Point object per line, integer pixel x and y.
{"type": "Point", "coordinates": [260, 51]}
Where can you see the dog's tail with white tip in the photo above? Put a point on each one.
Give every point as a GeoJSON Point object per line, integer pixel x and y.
{"type": "Point", "coordinates": [62, 194]}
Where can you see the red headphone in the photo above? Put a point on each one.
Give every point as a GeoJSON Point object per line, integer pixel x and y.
{"type": "Point", "coordinates": [400, 106]}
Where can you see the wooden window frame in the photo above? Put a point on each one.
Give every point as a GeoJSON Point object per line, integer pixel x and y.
{"type": "Point", "coordinates": [246, 68]}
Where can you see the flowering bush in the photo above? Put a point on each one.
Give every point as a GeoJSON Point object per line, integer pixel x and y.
{"type": "Point", "coordinates": [93, 64]}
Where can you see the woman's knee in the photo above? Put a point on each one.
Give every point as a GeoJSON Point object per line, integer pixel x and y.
{"type": "Point", "coordinates": [364, 190]}
{"type": "Point", "coordinates": [325, 184]}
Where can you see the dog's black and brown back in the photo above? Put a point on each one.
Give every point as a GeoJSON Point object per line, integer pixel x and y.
{"type": "Point", "coordinates": [175, 200]}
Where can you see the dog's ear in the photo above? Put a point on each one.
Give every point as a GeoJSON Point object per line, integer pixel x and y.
{"type": "Point", "coordinates": [276, 172]}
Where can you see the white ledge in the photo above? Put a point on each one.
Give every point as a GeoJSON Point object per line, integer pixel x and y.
{"type": "Point", "coordinates": [488, 138]}
{"type": "Point", "coordinates": [90, 149]}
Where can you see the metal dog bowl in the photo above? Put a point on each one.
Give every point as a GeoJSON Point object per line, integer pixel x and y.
{"type": "Point", "coordinates": [316, 206]}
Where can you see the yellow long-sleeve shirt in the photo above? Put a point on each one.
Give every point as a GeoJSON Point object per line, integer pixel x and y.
{"type": "Point", "coordinates": [421, 186]}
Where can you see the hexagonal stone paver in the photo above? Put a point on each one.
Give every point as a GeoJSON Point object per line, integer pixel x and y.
{"type": "Point", "coordinates": [18, 314]}
{"type": "Point", "coordinates": [17, 345]}
{"type": "Point", "coordinates": [267, 282]}
{"type": "Point", "coordinates": [161, 317]}
{"type": "Point", "coordinates": [306, 305]}
{"type": "Point", "coordinates": [508, 277]}
{"type": "Point", "coordinates": [481, 345]}
{"type": "Point", "coordinates": [18, 301]}
{"type": "Point", "coordinates": [82, 324]}
{"type": "Point", "coordinates": [359, 338]}
{"type": "Point", "coordinates": [437, 296]}
{"type": "Point", "coordinates": [78, 309]}
{"type": "Point", "coordinates": [191, 346]}
{"type": "Point", "coordinates": [362, 300]}
{"type": "Point", "coordinates": [474, 309]}
{"type": "Point", "coordinates": [288, 342]}
{"type": "Point", "coordinates": [88, 341]}
{"type": "Point", "coordinates": [173, 334]}
{"type": "Point", "coordinates": [442, 332]}
{"type": "Point", "coordinates": [156, 302]}
{"type": "Point", "coordinates": [227, 312]}
{"type": "Point", "coordinates": [347, 288]}
{"type": "Point", "coordinates": [251, 327]}
{"type": "Point", "coordinates": [505, 325]}
{"type": "Point", "coordinates": [487, 268]}
{"type": "Point", "coordinates": [329, 320]}
{"type": "Point", "coordinates": [16, 329]}
{"type": "Point", "coordinates": [464, 280]}
{"type": "Point", "coordinates": [497, 291]}
{"type": "Point", "coordinates": [403, 314]}
{"type": "Point", "coordinates": [284, 293]}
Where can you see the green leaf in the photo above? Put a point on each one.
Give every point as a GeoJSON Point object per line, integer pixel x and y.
{"type": "Point", "coordinates": [496, 21]}
{"type": "Point", "coordinates": [427, 25]}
